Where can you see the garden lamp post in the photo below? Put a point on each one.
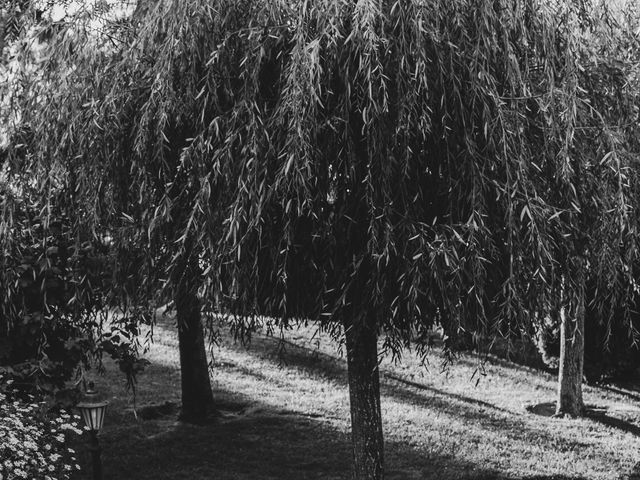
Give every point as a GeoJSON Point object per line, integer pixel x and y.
{"type": "Point", "coordinates": [92, 411]}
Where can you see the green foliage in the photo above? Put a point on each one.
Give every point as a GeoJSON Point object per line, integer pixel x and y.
{"type": "Point", "coordinates": [402, 162]}
{"type": "Point", "coordinates": [611, 350]}
{"type": "Point", "coordinates": [56, 290]}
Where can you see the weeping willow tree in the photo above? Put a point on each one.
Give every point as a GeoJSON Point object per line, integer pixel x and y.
{"type": "Point", "coordinates": [377, 167]}
{"type": "Point", "coordinates": [596, 190]}
{"type": "Point", "coordinates": [51, 48]}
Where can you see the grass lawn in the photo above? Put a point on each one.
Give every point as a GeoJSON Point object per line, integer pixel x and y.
{"type": "Point", "coordinates": [286, 416]}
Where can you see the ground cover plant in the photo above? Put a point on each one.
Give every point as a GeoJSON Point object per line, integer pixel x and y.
{"type": "Point", "coordinates": [285, 416]}
{"type": "Point", "coordinates": [34, 442]}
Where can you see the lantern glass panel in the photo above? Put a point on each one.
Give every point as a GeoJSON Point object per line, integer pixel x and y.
{"type": "Point", "coordinates": [86, 417]}
{"type": "Point", "coordinates": [93, 414]}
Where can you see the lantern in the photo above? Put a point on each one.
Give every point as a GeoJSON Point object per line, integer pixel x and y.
{"type": "Point", "coordinates": [92, 410]}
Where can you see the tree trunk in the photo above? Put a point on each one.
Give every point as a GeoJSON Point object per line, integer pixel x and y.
{"type": "Point", "coordinates": [572, 355]}
{"type": "Point", "coordinates": [364, 395]}
{"type": "Point", "coordinates": [197, 398]}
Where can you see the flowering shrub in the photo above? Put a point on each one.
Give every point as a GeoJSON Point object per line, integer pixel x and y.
{"type": "Point", "coordinates": [32, 442]}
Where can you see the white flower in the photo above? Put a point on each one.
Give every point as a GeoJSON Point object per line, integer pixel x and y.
{"type": "Point", "coordinates": [27, 435]}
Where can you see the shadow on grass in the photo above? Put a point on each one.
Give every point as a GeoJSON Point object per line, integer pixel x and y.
{"type": "Point", "coordinates": [614, 422]}
{"type": "Point", "coordinates": [454, 396]}
{"type": "Point", "coordinates": [552, 477]}
{"type": "Point", "coordinates": [515, 371]}
{"type": "Point", "coordinates": [592, 412]}
{"type": "Point", "coordinates": [254, 441]}
{"type": "Point", "coordinates": [630, 391]}
{"type": "Point", "coordinates": [491, 418]}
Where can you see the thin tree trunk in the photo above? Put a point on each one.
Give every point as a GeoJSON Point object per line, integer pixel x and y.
{"type": "Point", "coordinates": [197, 398]}
{"type": "Point", "coordinates": [364, 395]}
{"type": "Point", "coordinates": [572, 355]}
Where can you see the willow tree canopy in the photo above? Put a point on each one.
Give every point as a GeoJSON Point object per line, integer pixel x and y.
{"type": "Point", "coordinates": [402, 161]}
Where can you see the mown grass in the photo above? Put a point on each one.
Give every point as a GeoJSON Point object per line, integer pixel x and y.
{"type": "Point", "coordinates": [285, 415]}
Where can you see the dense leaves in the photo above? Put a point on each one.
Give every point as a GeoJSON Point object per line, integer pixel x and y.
{"type": "Point", "coordinates": [380, 165]}
{"type": "Point", "coordinates": [56, 290]}
{"type": "Point", "coordinates": [418, 161]}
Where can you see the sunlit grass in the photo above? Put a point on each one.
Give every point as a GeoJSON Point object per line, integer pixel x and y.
{"type": "Point", "coordinates": [286, 416]}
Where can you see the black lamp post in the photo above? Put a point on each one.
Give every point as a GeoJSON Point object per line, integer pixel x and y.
{"type": "Point", "coordinates": [92, 411]}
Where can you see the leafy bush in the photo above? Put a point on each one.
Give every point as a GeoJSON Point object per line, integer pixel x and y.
{"type": "Point", "coordinates": [48, 293]}
{"type": "Point", "coordinates": [56, 289]}
{"type": "Point", "coordinates": [610, 352]}
{"type": "Point", "coordinates": [33, 441]}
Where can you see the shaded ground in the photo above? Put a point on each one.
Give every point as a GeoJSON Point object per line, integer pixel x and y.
{"type": "Point", "coordinates": [285, 416]}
